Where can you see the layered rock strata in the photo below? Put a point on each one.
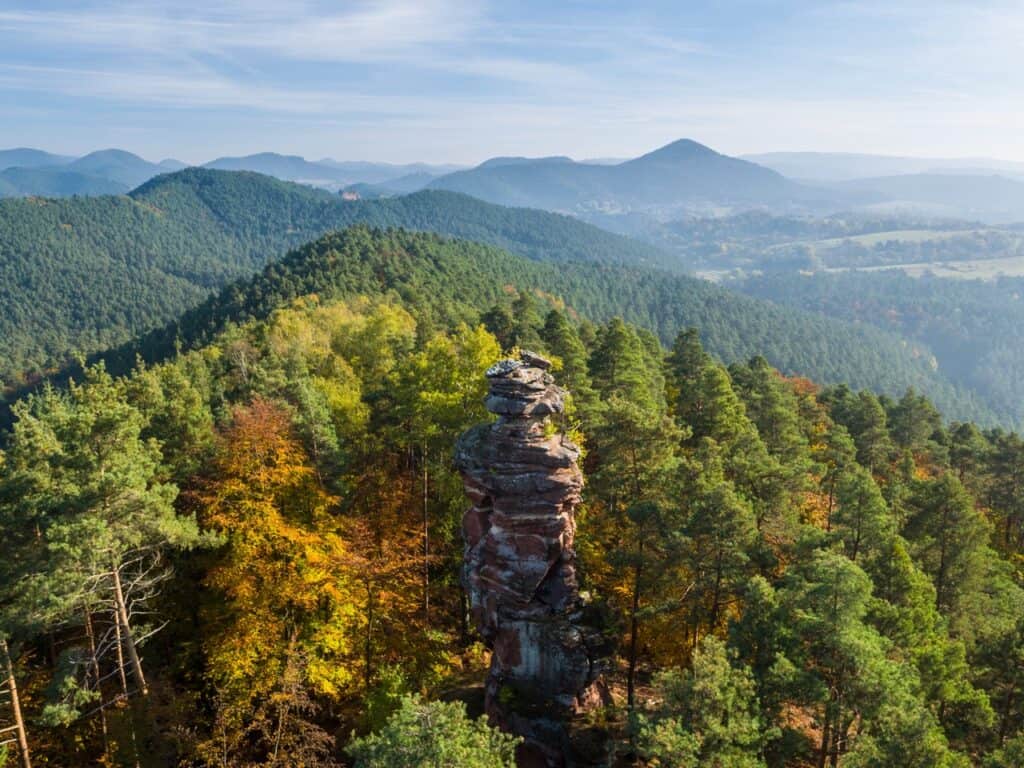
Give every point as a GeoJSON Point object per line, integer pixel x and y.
{"type": "Point", "coordinates": [522, 478]}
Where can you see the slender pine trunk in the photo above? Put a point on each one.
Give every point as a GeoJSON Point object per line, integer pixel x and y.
{"type": "Point", "coordinates": [95, 665]}
{"type": "Point", "coordinates": [634, 630]}
{"type": "Point", "coordinates": [126, 633]}
{"type": "Point", "coordinates": [826, 738]}
{"type": "Point", "coordinates": [426, 541]}
{"type": "Point", "coordinates": [19, 722]}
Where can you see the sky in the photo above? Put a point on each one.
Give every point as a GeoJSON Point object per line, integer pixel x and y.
{"type": "Point", "coordinates": [460, 81]}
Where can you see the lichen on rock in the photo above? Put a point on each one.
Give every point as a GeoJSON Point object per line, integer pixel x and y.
{"type": "Point", "coordinates": [520, 564]}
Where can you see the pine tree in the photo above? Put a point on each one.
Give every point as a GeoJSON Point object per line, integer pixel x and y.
{"type": "Point", "coordinates": [720, 530]}
{"type": "Point", "coordinates": [861, 519]}
{"type": "Point", "coordinates": [707, 716]}
{"type": "Point", "coordinates": [948, 536]}
{"type": "Point", "coordinates": [634, 456]}
{"type": "Point", "coordinates": [425, 734]}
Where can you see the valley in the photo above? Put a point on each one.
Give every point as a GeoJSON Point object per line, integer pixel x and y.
{"type": "Point", "coordinates": [464, 384]}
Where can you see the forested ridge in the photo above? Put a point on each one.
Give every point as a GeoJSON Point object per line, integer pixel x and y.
{"type": "Point", "coordinates": [453, 279]}
{"type": "Point", "coordinates": [972, 326]}
{"type": "Point", "coordinates": [80, 275]}
{"type": "Point", "coordinates": [247, 553]}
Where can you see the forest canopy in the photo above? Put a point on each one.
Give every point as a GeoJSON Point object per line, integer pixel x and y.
{"type": "Point", "coordinates": [246, 551]}
{"type": "Point", "coordinates": [80, 275]}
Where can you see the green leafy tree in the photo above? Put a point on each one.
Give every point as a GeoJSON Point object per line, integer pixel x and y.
{"type": "Point", "coordinates": [707, 717]}
{"type": "Point", "coordinates": [914, 421]}
{"type": "Point", "coordinates": [88, 485]}
{"type": "Point", "coordinates": [562, 340]}
{"type": "Point", "coordinates": [865, 419]}
{"type": "Point", "coordinates": [526, 321]}
{"type": "Point", "coordinates": [1010, 755]}
{"type": "Point", "coordinates": [720, 530]}
{"type": "Point", "coordinates": [949, 538]}
{"type": "Point", "coordinates": [861, 519]}
{"type": "Point", "coordinates": [704, 400]}
{"type": "Point", "coordinates": [634, 456]}
{"type": "Point", "coordinates": [1005, 491]}
{"type": "Point", "coordinates": [422, 734]}
{"type": "Point", "coordinates": [499, 322]}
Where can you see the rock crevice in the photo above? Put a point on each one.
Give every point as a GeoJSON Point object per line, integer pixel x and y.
{"type": "Point", "coordinates": [524, 484]}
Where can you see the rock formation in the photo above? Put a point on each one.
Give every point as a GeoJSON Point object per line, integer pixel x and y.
{"type": "Point", "coordinates": [523, 481]}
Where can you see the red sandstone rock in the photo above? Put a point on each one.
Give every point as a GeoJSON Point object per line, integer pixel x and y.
{"type": "Point", "coordinates": [524, 485]}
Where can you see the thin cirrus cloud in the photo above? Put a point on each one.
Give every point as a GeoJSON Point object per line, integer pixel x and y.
{"type": "Point", "coordinates": [395, 79]}
{"type": "Point", "coordinates": [366, 32]}
{"type": "Point", "coordinates": [198, 89]}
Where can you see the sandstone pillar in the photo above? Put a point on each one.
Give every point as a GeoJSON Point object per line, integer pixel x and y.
{"type": "Point", "coordinates": [522, 478]}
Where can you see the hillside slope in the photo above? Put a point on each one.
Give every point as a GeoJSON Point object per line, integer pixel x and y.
{"type": "Point", "coordinates": [56, 181]}
{"type": "Point", "coordinates": [681, 173]}
{"type": "Point", "coordinates": [83, 275]}
{"type": "Point", "coordinates": [453, 280]}
{"type": "Point", "coordinates": [106, 172]}
{"type": "Point", "coordinates": [26, 157]}
{"type": "Point", "coordinates": [987, 197]}
{"type": "Point", "coordinates": [117, 166]}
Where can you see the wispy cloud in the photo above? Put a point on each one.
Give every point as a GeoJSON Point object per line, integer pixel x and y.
{"type": "Point", "coordinates": [203, 89]}
{"type": "Point", "coordinates": [465, 78]}
{"type": "Point", "coordinates": [364, 32]}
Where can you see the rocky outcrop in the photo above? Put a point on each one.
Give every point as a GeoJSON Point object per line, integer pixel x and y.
{"type": "Point", "coordinates": [522, 478]}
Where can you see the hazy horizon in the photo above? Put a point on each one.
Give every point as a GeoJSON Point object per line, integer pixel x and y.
{"type": "Point", "coordinates": [443, 162]}
{"type": "Point", "coordinates": [445, 81]}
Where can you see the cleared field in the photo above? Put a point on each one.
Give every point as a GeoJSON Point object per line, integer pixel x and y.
{"type": "Point", "coordinates": [874, 238]}
{"type": "Point", "coordinates": [978, 269]}
{"type": "Point", "coordinates": [899, 236]}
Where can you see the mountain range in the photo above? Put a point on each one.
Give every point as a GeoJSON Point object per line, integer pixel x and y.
{"type": "Point", "coordinates": [328, 173]}
{"type": "Point", "coordinates": [681, 179]}
{"type": "Point", "coordinates": [819, 167]}
{"type": "Point", "coordinates": [25, 171]}
{"type": "Point", "coordinates": [83, 274]}
{"type": "Point", "coordinates": [681, 175]}
{"type": "Point", "coordinates": [109, 171]}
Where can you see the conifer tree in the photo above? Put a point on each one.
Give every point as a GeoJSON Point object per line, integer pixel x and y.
{"type": "Point", "coordinates": [861, 519]}
{"type": "Point", "coordinates": [949, 538]}
{"type": "Point", "coordinates": [89, 485]}
{"type": "Point", "coordinates": [634, 455]}
{"type": "Point", "coordinates": [706, 716]}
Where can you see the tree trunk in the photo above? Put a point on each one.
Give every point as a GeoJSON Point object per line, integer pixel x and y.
{"type": "Point", "coordinates": [1004, 720]}
{"type": "Point", "coordinates": [717, 594]}
{"type": "Point", "coordinates": [831, 506]}
{"type": "Point", "coordinates": [826, 738]}
{"type": "Point", "coordinates": [19, 723]}
{"type": "Point", "coordinates": [368, 648]}
{"type": "Point", "coordinates": [426, 542]}
{"type": "Point", "coordinates": [940, 577]}
{"type": "Point", "coordinates": [89, 633]}
{"type": "Point", "coordinates": [126, 633]}
{"type": "Point", "coordinates": [634, 629]}
{"type": "Point", "coordinates": [837, 734]}
{"type": "Point", "coordinates": [119, 647]}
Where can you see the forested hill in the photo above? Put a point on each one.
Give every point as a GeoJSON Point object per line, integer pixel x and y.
{"type": "Point", "coordinates": [251, 554]}
{"type": "Point", "coordinates": [451, 280]}
{"type": "Point", "coordinates": [81, 274]}
{"type": "Point", "coordinates": [91, 273]}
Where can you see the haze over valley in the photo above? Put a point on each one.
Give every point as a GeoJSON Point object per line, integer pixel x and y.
{"type": "Point", "coordinates": [463, 384]}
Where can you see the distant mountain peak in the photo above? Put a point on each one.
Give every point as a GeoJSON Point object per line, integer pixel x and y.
{"type": "Point", "coordinates": [681, 149]}
{"type": "Point", "coordinates": [112, 152]}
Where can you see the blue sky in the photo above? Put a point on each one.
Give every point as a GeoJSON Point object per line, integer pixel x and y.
{"type": "Point", "coordinates": [453, 81]}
